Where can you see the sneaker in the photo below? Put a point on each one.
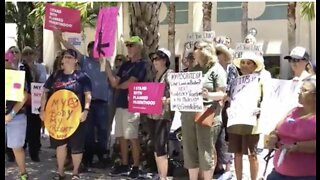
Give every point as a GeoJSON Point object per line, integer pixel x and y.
{"type": "Point", "coordinates": [134, 173]}
{"type": "Point", "coordinates": [122, 170]}
{"type": "Point", "coordinates": [23, 177]}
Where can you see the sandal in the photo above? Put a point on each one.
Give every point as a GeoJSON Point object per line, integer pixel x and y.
{"type": "Point", "coordinates": [75, 177]}
{"type": "Point", "coordinates": [58, 177]}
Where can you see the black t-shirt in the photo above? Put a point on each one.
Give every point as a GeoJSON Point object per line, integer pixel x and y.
{"type": "Point", "coordinates": [78, 82]}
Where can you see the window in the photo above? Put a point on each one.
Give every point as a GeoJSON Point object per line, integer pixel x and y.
{"type": "Point", "coordinates": [182, 9]}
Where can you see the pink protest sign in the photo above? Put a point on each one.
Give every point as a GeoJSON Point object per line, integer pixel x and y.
{"type": "Point", "coordinates": [146, 97]}
{"type": "Point", "coordinates": [105, 32]}
{"type": "Point", "coordinates": [62, 18]}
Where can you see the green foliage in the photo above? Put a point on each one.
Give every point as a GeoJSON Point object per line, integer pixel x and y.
{"type": "Point", "coordinates": [308, 10]}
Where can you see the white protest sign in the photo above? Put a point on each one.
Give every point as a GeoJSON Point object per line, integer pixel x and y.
{"type": "Point", "coordinates": [197, 36]}
{"type": "Point", "coordinates": [75, 40]}
{"type": "Point", "coordinates": [186, 91]}
{"type": "Point", "coordinates": [280, 97]}
{"type": "Point", "coordinates": [241, 47]}
{"type": "Point", "coordinates": [36, 93]}
{"type": "Point", "coordinates": [244, 100]}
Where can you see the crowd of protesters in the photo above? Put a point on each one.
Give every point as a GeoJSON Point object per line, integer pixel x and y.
{"type": "Point", "coordinates": [104, 98]}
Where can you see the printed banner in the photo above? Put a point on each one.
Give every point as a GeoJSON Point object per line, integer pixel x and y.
{"type": "Point", "coordinates": [146, 97]}
{"type": "Point", "coordinates": [65, 19]}
{"type": "Point", "coordinates": [62, 114]}
{"type": "Point", "coordinates": [186, 91]}
{"type": "Point", "coordinates": [241, 47]}
{"type": "Point", "coordinates": [279, 99]}
{"type": "Point", "coordinates": [245, 93]}
{"type": "Point", "coordinates": [105, 32]}
{"type": "Point", "coordinates": [36, 93]}
{"type": "Point", "coordinates": [14, 85]}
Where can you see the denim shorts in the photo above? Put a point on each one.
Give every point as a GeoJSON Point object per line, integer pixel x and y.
{"type": "Point", "coordinates": [15, 131]}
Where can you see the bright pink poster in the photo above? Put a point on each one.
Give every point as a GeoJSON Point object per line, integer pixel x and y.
{"type": "Point", "coordinates": [62, 18]}
{"type": "Point", "coordinates": [146, 97]}
{"type": "Point", "coordinates": [105, 32]}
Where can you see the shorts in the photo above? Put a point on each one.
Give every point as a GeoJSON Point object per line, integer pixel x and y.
{"type": "Point", "coordinates": [159, 134]}
{"type": "Point", "coordinates": [244, 144]}
{"type": "Point", "coordinates": [15, 131]}
{"type": "Point", "coordinates": [127, 124]}
{"type": "Point", "coordinates": [75, 142]}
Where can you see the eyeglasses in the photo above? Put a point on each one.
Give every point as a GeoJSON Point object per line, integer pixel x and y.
{"type": "Point", "coordinates": [130, 45]}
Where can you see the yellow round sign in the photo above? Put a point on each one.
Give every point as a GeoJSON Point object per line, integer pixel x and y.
{"type": "Point", "coordinates": [62, 114]}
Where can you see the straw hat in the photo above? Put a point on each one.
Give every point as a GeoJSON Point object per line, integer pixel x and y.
{"type": "Point", "coordinates": [258, 59]}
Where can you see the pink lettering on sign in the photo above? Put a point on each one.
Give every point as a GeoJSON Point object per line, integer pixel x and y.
{"type": "Point", "coordinates": [62, 18]}
{"type": "Point", "coordinates": [105, 32]}
{"type": "Point", "coordinates": [16, 85]}
{"type": "Point", "coordinates": [146, 97]}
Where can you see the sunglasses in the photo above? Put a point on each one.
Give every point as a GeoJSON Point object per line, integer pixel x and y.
{"type": "Point", "coordinates": [130, 45]}
{"type": "Point", "coordinates": [27, 53]}
{"type": "Point", "coordinates": [218, 53]}
{"type": "Point", "coordinates": [15, 52]}
{"type": "Point", "coordinates": [156, 58]}
{"type": "Point", "coordinates": [293, 60]}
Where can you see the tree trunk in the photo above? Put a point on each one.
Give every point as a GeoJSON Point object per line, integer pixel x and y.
{"type": "Point", "coordinates": [144, 22]}
{"type": "Point", "coordinates": [171, 34]}
{"type": "Point", "coordinates": [38, 38]}
{"type": "Point", "coordinates": [244, 20]}
{"type": "Point", "coordinates": [206, 20]}
{"type": "Point", "coordinates": [291, 25]}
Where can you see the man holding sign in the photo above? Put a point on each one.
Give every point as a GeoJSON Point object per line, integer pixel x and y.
{"type": "Point", "coordinates": [127, 124]}
{"type": "Point", "coordinates": [66, 111]}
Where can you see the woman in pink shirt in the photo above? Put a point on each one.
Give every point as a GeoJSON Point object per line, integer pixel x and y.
{"type": "Point", "coordinates": [295, 137]}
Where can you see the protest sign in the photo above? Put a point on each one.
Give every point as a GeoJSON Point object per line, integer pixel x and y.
{"type": "Point", "coordinates": [241, 47]}
{"type": "Point", "coordinates": [105, 32]}
{"type": "Point", "coordinates": [36, 93]}
{"type": "Point", "coordinates": [197, 36]}
{"type": "Point", "coordinates": [244, 98]}
{"type": "Point", "coordinates": [62, 114]}
{"type": "Point", "coordinates": [186, 91]}
{"type": "Point", "coordinates": [62, 18]}
{"type": "Point", "coordinates": [75, 41]}
{"type": "Point", "coordinates": [280, 97]}
{"type": "Point", "coordinates": [146, 97]}
{"type": "Point", "coordinates": [14, 85]}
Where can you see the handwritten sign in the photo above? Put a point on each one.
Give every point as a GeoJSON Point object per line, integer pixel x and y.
{"type": "Point", "coordinates": [65, 19]}
{"type": "Point", "coordinates": [36, 93]}
{"type": "Point", "coordinates": [244, 99]}
{"type": "Point", "coordinates": [146, 97]}
{"type": "Point", "coordinates": [105, 32]}
{"type": "Point", "coordinates": [241, 47]}
{"type": "Point", "coordinates": [197, 36]}
{"type": "Point", "coordinates": [75, 41]}
{"type": "Point", "coordinates": [62, 114]}
{"type": "Point", "coordinates": [280, 97]}
{"type": "Point", "coordinates": [14, 85]}
{"type": "Point", "coordinates": [185, 91]}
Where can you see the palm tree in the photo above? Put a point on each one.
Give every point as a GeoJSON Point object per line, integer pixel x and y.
{"type": "Point", "coordinates": [171, 33]}
{"type": "Point", "coordinates": [308, 10]}
{"type": "Point", "coordinates": [206, 20]}
{"type": "Point", "coordinates": [291, 25]}
{"type": "Point", "coordinates": [244, 20]}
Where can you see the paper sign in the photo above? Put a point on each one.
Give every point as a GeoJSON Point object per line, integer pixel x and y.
{"type": "Point", "coordinates": [105, 32]}
{"type": "Point", "coordinates": [75, 41]}
{"type": "Point", "coordinates": [197, 36]}
{"type": "Point", "coordinates": [65, 19]}
{"type": "Point", "coordinates": [62, 114]}
{"type": "Point", "coordinates": [244, 101]}
{"type": "Point", "coordinates": [242, 47]}
{"type": "Point", "coordinates": [14, 85]}
{"type": "Point", "coordinates": [146, 97]}
{"type": "Point", "coordinates": [36, 93]}
{"type": "Point", "coordinates": [186, 91]}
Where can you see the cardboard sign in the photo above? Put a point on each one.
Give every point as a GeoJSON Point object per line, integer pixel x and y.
{"type": "Point", "coordinates": [245, 93]}
{"type": "Point", "coordinates": [62, 114]}
{"type": "Point", "coordinates": [242, 47]}
{"type": "Point", "coordinates": [36, 93]}
{"type": "Point", "coordinates": [62, 18]}
{"type": "Point", "coordinates": [186, 91]}
{"type": "Point", "coordinates": [146, 97]}
{"type": "Point", "coordinates": [14, 85]}
{"type": "Point", "coordinates": [105, 32]}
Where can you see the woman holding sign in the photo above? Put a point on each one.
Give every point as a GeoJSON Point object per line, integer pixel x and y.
{"type": "Point", "coordinates": [243, 138]}
{"type": "Point", "coordinates": [200, 130]}
{"type": "Point", "coordinates": [68, 105]}
{"type": "Point", "coordinates": [15, 118]}
{"type": "Point", "coordinates": [294, 139]}
{"type": "Point", "coordinates": [159, 125]}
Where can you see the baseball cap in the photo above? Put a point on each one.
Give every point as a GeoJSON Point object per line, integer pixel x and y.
{"type": "Point", "coordinates": [134, 40]}
{"type": "Point", "coordinates": [70, 52]}
{"type": "Point", "coordinates": [298, 53]}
